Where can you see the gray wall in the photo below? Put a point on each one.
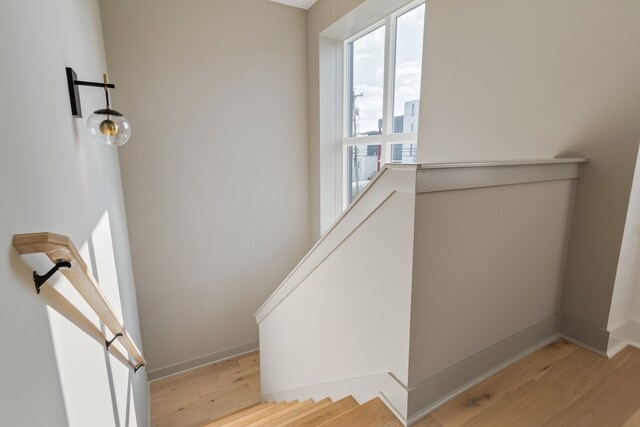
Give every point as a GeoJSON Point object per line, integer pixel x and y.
{"type": "Point", "coordinates": [525, 79]}
{"type": "Point", "coordinates": [53, 178]}
{"type": "Point", "coordinates": [216, 173]}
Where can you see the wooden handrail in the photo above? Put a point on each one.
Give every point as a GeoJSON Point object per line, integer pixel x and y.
{"type": "Point", "coordinates": [58, 247]}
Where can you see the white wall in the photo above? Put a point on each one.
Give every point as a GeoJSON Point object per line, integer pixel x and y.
{"type": "Point", "coordinates": [216, 173]}
{"type": "Point", "coordinates": [349, 317]}
{"type": "Point", "coordinates": [625, 303]}
{"type": "Point", "coordinates": [533, 79]}
{"type": "Point", "coordinates": [54, 369]}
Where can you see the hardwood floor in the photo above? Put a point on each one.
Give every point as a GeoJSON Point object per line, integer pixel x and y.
{"type": "Point", "coordinates": [559, 385]}
{"type": "Point", "coordinates": [201, 395]}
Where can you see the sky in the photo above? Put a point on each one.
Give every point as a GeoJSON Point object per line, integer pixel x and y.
{"type": "Point", "coordinates": [368, 69]}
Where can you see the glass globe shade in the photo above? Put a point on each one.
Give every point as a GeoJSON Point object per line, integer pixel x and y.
{"type": "Point", "coordinates": [109, 127]}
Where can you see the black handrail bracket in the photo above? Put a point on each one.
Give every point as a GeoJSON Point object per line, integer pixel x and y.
{"type": "Point", "coordinates": [108, 343]}
{"type": "Point", "coordinates": [40, 280]}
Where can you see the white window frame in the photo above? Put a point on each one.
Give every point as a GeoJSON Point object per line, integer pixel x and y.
{"type": "Point", "coordinates": [387, 138]}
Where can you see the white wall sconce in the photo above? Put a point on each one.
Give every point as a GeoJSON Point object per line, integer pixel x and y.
{"type": "Point", "coordinates": [105, 125]}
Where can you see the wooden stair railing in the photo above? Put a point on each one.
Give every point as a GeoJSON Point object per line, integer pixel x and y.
{"type": "Point", "coordinates": [60, 248]}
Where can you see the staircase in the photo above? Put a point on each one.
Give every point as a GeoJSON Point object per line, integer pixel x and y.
{"type": "Point", "coordinates": [325, 413]}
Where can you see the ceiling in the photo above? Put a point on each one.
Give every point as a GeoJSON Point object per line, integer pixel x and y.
{"type": "Point", "coordinates": [302, 4]}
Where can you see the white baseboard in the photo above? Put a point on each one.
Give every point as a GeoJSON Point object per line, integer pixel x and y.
{"type": "Point", "coordinates": [410, 404]}
{"type": "Point", "coordinates": [584, 333]}
{"type": "Point", "coordinates": [427, 410]}
{"type": "Point", "coordinates": [582, 344]}
{"type": "Point", "coordinates": [433, 392]}
{"type": "Point", "coordinates": [624, 335]}
{"type": "Point", "coordinates": [187, 365]}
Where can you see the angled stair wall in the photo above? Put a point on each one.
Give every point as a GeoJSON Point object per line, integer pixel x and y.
{"type": "Point", "coordinates": [435, 277]}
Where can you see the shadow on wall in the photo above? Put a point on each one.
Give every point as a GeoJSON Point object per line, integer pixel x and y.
{"type": "Point", "coordinates": [96, 383]}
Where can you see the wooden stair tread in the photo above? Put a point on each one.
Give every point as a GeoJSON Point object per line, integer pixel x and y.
{"type": "Point", "coordinates": [240, 413]}
{"type": "Point", "coordinates": [259, 408]}
{"type": "Point", "coordinates": [255, 416]}
{"type": "Point", "coordinates": [282, 413]}
{"type": "Point", "coordinates": [326, 413]}
{"type": "Point", "coordinates": [370, 414]}
{"type": "Point", "coordinates": [292, 418]}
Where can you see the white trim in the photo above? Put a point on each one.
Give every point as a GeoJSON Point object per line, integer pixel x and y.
{"type": "Point", "coordinates": [369, 29]}
{"type": "Point", "coordinates": [390, 179]}
{"type": "Point", "coordinates": [418, 415]}
{"type": "Point", "coordinates": [402, 418]}
{"type": "Point", "coordinates": [398, 396]}
{"type": "Point", "coordinates": [626, 334]}
{"type": "Point", "coordinates": [365, 16]}
{"type": "Point", "coordinates": [444, 179]}
{"type": "Point", "coordinates": [396, 138]}
{"type": "Point", "coordinates": [345, 71]}
{"type": "Point", "coordinates": [449, 165]}
{"type": "Point", "coordinates": [389, 64]}
{"type": "Point", "coordinates": [198, 362]}
{"type": "Point", "coordinates": [388, 85]}
{"type": "Point", "coordinates": [389, 22]}
{"type": "Point", "coordinates": [584, 333]}
{"type": "Point", "coordinates": [361, 17]}
{"type": "Point", "coordinates": [582, 344]}
{"type": "Point", "coordinates": [330, 131]}
{"type": "Point", "coordinates": [301, 4]}
{"type": "Point", "coordinates": [422, 178]}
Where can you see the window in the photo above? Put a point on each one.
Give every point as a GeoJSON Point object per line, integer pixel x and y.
{"type": "Point", "coordinates": [383, 66]}
{"type": "Point", "coordinates": [366, 88]}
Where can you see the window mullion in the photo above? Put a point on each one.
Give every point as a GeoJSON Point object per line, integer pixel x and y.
{"type": "Point", "coordinates": [387, 95]}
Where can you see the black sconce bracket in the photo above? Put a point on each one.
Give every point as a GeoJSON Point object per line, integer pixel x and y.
{"type": "Point", "coordinates": [138, 367]}
{"type": "Point", "coordinates": [40, 280]}
{"type": "Point", "coordinates": [74, 91]}
{"type": "Point", "coordinates": [108, 343]}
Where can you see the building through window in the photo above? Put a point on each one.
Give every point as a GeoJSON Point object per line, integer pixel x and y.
{"type": "Point", "coordinates": [382, 96]}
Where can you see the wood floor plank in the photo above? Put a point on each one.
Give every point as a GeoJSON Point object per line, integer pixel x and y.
{"type": "Point", "coordinates": [427, 421]}
{"type": "Point", "coordinates": [611, 402]}
{"type": "Point", "coordinates": [634, 421]}
{"type": "Point", "coordinates": [197, 409]}
{"type": "Point", "coordinates": [477, 399]}
{"type": "Point", "coordinates": [204, 394]}
{"type": "Point", "coordinates": [560, 385]}
{"type": "Point", "coordinates": [373, 413]}
{"type": "Point", "coordinates": [539, 400]}
{"type": "Point", "coordinates": [196, 416]}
